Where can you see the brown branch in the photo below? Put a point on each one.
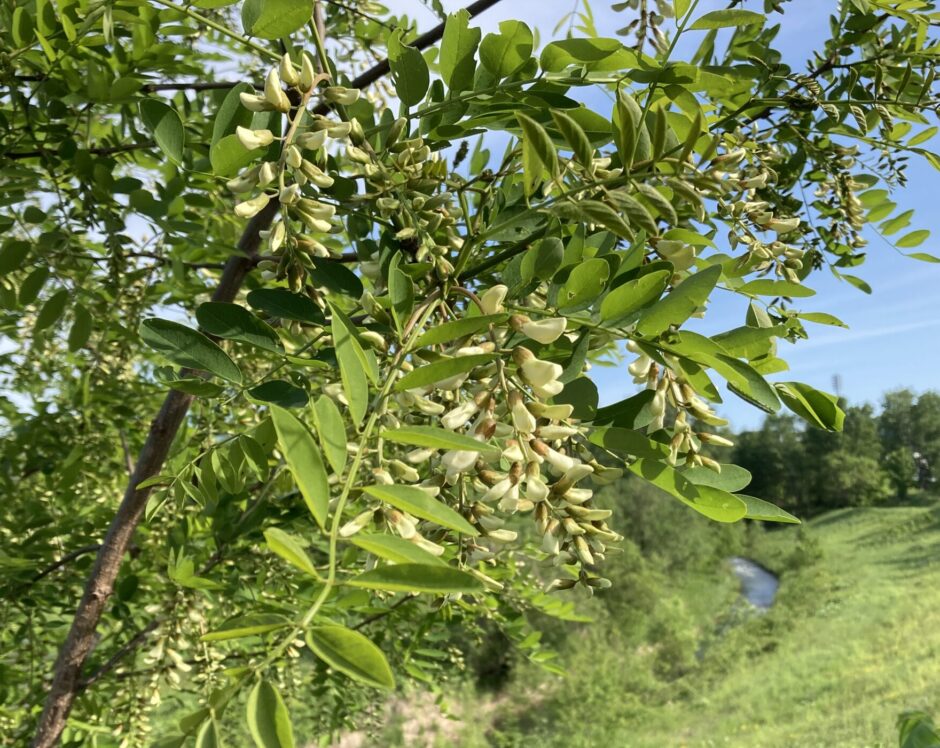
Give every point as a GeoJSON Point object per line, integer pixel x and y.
{"type": "Point", "coordinates": [66, 681]}
{"type": "Point", "coordinates": [67, 558]}
{"type": "Point", "coordinates": [424, 41]}
{"type": "Point", "coordinates": [100, 585]}
{"type": "Point", "coordinates": [112, 662]}
{"type": "Point", "coordinates": [103, 151]}
{"type": "Point", "coordinates": [387, 612]}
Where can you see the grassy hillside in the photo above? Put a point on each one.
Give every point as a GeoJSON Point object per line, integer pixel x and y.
{"type": "Point", "coordinates": [852, 641]}
{"type": "Point", "coordinates": [860, 646]}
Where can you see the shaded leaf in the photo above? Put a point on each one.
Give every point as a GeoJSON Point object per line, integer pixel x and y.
{"type": "Point", "coordinates": [187, 347]}
{"type": "Point", "coordinates": [332, 432]}
{"type": "Point", "coordinates": [817, 408]}
{"type": "Point", "coordinates": [422, 505]}
{"type": "Point", "coordinates": [290, 549]}
{"type": "Point", "coordinates": [304, 461]}
{"type": "Point", "coordinates": [268, 719]}
{"type": "Point", "coordinates": [166, 127]}
{"type": "Point", "coordinates": [279, 302]}
{"type": "Point", "coordinates": [249, 625]}
{"type": "Point", "coordinates": [351, 653]}
{"type": "Point", "coordinates": [458, 328]}
{"type": "Point", "coordinates": [764, 510]}
{"type": "Point", "coordinates": [234, 322]}
{"type": "Point", "coordinates": [393, 548]}
{"type": "Point", "coordinates": [434, 437]}
{"type": "Point", "coordinates": [442, 369]}
{"type": "Point", "coordinates": [433, 578]}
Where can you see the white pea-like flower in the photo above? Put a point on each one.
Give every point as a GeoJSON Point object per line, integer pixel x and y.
{"type": "Point", "coordinates": [551, 433]}
{"type": "Point", "coordinates": [578, 495]}
{"type": "Point", "coordinates": [426, 545]}
{"type": "Point", "coordinates": [502, 536]}
{"type": "Point", "coordinates": [267, 173]}
{"type": "Point", "coordinates": [522, 419]}
{"type": "Point", "coordinates": [491, 302]}
{"type": "Point", "coordinates": [497, 490]}
{"type": "Point", "coordinates": [783, 225]}
{"type": "Point", "coordinates": [541, 375]}
{"type": "Point", "coordinates": [311, 140]}
{"type": "Point", "coordinates": [248, 208]}
{"type": "Point", "coordinates": [341, 95]}
{"type": "Point", "coordinates": [289, 195]}
{"type": "Point", "coordinates": [458, 461]}
{"type": "Point", "coordinates": [245, 181]}
{"type": "Point", "coordinates": [254, 103]}
{"type": "Point", "coordinates": [545, 330]}
{"type": "Point", "coordinates": [459, 416]}
{"type": "Point", "coordinates": [562, 463]}
{"type": "Point", "coordinates": [509, 503]}
{"type": "Point", "coordinates": [252, 139]}
{"type": "Point", "coordinates": [536, 488]}
{"type": "Point", "coordinates": [640, 368]}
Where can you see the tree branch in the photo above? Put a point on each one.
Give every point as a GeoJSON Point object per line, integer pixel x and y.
{"type": "Point", "coordinates": [66, 681]}
{"type": "Point", "coordinates": [67, 558]}
{"type": "Point", "coordinates": [139, 638]}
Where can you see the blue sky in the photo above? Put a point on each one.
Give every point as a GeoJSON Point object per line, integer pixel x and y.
{"type": "Point", "coordinates": [894, 335]}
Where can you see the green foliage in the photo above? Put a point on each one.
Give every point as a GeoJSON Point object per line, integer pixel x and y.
{"type": "Point", "coordinates": [387, 412]}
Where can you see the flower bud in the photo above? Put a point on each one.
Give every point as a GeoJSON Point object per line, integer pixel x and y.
{"type": "Point", "coordinates": [356, 524]}
{"type": "Point", "coordinates": [276, 236]}
{"type": "Point", "coordinates": [357, 154]}
{"type": "Point", "coordinates": [311, 140]}
{"type": "Point", "coordinates": [288, 71]}
{"type": "Point", "coordinates": [552, 412]}
{"type": "Point", "coordinates": [274, 93]}
{"type": "Point", "coordinates": [307, 73]}
{"type": "Point", "coordinates": [292, 156]}
{"type": "Point", "coordinates": [338, 130]}
{"type": "Point", "coordinates": [718, 441]}
{"type": "Point", "coordinates": [404, 472]}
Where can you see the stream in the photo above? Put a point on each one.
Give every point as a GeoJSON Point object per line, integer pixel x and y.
{"type": "Point", "coordinates": [758, 586]}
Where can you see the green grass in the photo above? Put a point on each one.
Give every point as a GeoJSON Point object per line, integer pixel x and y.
{"type": "Point", "coordinates": [846, 656]}
{"type": "Point", "coordinates": [853, 640]}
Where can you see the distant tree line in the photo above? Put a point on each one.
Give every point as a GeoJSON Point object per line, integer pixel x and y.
{"type": "Point", "coordinates": [880, 456]}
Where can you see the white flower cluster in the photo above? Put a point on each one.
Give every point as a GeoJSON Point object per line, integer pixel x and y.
{"type": "Point", "coordinates": [530, 461]}
{"type": "Point", "coordinates": [300, 169]}
{"type": "Point", "coordinates": [671, 389]}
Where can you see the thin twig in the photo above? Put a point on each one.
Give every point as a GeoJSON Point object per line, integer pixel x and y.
{"type": "Point", "coordinates": [67, 558]}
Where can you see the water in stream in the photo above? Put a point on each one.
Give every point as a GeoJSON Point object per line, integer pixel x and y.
{"type": "Point", "coordinates": [758, 586]}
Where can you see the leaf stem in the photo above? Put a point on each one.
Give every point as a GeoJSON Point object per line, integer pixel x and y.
{"type": "Point", "coordinates": [221, 28]}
